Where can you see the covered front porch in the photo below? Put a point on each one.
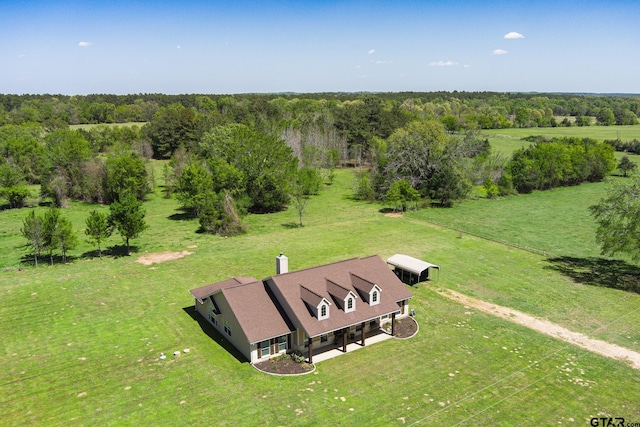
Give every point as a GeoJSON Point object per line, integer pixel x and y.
{"type": "Point", "coordinates": [347, 339]}
{"type": "Point", "coordinates": [336, 350]}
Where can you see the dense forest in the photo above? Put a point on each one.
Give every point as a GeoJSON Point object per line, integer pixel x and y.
{"type": "Point", "coordinates": [232, 154]}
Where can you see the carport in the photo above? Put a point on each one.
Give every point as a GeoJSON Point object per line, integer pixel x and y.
{"type": "Point", "coordinates": [411, 270]}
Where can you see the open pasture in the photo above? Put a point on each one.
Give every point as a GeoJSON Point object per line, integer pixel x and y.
{"type": "Point", "coordinates": [506, 141]}
{"type": "Point", "coordinates": [81, 342]}
{"type": "Point", "coordinates": [625, 133]}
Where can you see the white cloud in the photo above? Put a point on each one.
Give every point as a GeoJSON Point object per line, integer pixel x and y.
{"type": "Point", "coordinates": [499, 52]}
{"type": "Point", "coordinates": [372, 51]}
{"type": "Point", "coordinates": [178, 47]}
{"type": "Point", "coordinates": [443, 64]}
{"type": "Point", "coordinates": [84, 44]}
{"type": "Point", "coordinates": [513, 35]}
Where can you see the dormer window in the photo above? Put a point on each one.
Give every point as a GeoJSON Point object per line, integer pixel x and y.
{"type": "Point", "coordinates": [323, 310]}
{"type": "Point", "coordinates": [374, 295]}
{"type": "Point", "coordinates": [350, 304]}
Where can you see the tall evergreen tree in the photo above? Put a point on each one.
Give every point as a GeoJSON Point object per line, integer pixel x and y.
{"type": "Point", "coordinates": [33, 231]}
{"type": "Point", "coordinates": [127, 216]}
{"type": "Point", "coordinates": [97, 229]}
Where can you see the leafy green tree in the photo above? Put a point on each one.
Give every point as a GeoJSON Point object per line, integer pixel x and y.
{"type": "Point", "coordinates": [626, 165]}
{"type": "Point", "coordinates": [447, 185]}
{"type": "Point", "coordinates": [605, 117]}
{"type": "Point", "coordinates": [267, 164]}
{"type": "Point", "coordinates": [362, 187]}
{"type": "Point", "coordinates": [413, 153]}
{"type": "Point", "coordinates": [50, 224]}
{"type": "Point", "coordinates": [15, 195]}
{"type": "Point", "coordinates": [220, 215]}
{"type": "Point", "coordinates": [172, 127]}
{"type": "Point", "coordinates": [66, 238]}
{"type": "Point", "coordinates": [32, 230]}
{"type": "Point", "coordinates": [67, 151]}
{"type": "Point", "coordinates": [126, 172]}
{"type": "Point", "coordinates": [126, 215]}
{"type": "Point", "coordinates": [310, 180]}
{"type": "Point", "coordinates": [491, 188]}
{"type": "Point", "coordinates": [617, 216]}
{"type": "Point", "coordinates": [193, 187]}
{"type": "Point", "coordinates": [451, 123]}
{"type": "Point", "coordinates": [12, 185]}
{"type": "Point", "coordinates": [97, 229]}
{"type": "Point", "coordinates": [401, 195]}
{"type": "Point", "coordinates": [24, 149]}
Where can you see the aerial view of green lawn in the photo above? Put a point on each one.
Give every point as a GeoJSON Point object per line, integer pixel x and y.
{"type": "Point", "coordinates": [81, 342]}
{"type": "Point", "coordinates": [319, 213]}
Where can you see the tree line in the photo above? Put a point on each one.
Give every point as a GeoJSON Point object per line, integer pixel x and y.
{"type": "Point", "coordinates": [231, 155]}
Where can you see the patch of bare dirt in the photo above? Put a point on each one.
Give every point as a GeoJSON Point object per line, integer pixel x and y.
{"type": "Point", "coordinates": [603, 348]}
{"type": "Point", "coordinates": [394, 214]}
{"type": "Point", "coordinates": [159, 257]}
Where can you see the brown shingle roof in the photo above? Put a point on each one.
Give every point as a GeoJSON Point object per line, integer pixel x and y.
{"type": "Point", "coordinates": [372, 269]}
{"type": "Point", "coordinates": [201, 293]}
{"type": "Point", "coordinates": [310, 297]}
{"type": "Point", "coordinates": [257, 311]}
{"type": "Point", "coordinates": [340, 292]}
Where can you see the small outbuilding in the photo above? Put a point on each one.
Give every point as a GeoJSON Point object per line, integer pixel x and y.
{"type": "Point", "coordinates": [412, 270]}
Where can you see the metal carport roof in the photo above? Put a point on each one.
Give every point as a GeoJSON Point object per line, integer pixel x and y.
{"type": "Point", "coordinates": [410, 264]}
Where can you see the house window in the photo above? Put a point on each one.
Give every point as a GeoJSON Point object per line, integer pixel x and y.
{"type": "Point", "coordinates": [374, 296]}
{"type": "Point", "coordinates": [227, 328]}
{"type": "Point", "coordinates": [323, 310]}
{"type": "Point", "coordinates": [282, 343]}
{"type": "Point", "coordinates": [264, 348]}
{"type": "Point", "coordinates": [324, 338]}
{"type": "Point", "coordinates": [213, 318]}
{"type": "Point", "coordinates": [350, 304]}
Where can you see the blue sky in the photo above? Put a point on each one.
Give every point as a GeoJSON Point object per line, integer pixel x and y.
{"type": "Point", "coordinates": [81, 47]}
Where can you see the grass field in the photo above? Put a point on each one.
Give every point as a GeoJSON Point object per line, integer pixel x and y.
{"type": "Point", "coordinates": [506, 141]}
{"type": "Point", "coordinates": [81, 342]}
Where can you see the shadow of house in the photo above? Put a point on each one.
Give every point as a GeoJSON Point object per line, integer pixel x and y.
{"type": "Point", "coordinates": [593, 271]}
{"type": "Point", "coordinates": [212, 333]}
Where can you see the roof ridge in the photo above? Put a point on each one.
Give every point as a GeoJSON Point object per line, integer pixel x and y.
{"type": "Point", "coordinates": [318, 266]}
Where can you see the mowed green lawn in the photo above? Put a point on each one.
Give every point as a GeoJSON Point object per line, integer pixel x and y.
{"type": "Point", "coordinates": [81, 342]}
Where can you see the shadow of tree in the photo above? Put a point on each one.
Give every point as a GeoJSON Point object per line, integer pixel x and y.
{"type": "Point", "coordinates": [609, 273]}
{"type": "Point", "coordinates": [183, 215]}
{"type": "Point", "coordinates": [290, 225]}
{"type": "Point", "coordinates": [118, 251]}
{"type": "Point", "coordinates": [212, 333]}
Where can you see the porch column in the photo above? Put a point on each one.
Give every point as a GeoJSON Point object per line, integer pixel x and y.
{"type": "Point", "coordinates": [344, 340]}
{"type": "Point", "coordinates": [362, 333]}
{"type": "Point", "coordinates": [310, 350]}
{"type": "Point", "coordinates": [393, 324]}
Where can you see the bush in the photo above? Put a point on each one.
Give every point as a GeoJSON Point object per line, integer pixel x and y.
{"type": "Point", "coordinates": [15, 195]}
{"type": "Point", "coordinates": [297, 357]}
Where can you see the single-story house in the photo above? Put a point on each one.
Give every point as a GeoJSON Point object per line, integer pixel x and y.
{"type": "Point", "coordinates": [306, 309]}
{"type": "Point", "coordinates": [411, 270]}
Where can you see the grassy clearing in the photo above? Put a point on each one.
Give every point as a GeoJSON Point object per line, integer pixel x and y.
{"type": "Point", "coordinates": [81, 341]}
{"type": "Point", "coordinates": [601, 133]}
